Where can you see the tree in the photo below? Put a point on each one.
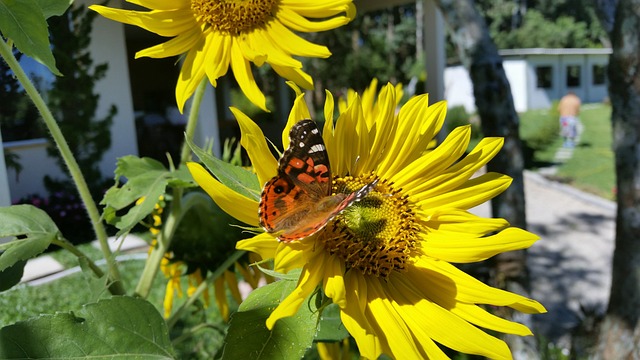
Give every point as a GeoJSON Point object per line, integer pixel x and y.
{"type": "Point", "coordinates": [619, 334]}
{"type": "Point", "coordinates": [73, 100]}
{"type": "Point", "coordinates": [498, 117]}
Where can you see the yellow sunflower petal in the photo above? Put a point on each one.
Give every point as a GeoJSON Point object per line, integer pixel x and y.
{"type": "Point", "coordinates": [354, 319]}
{"type": "Point", "coordinates": [167, 23]}
{"type": "Point", "coordinates": [263, 244]}
{"type": "Point", "coordinates": [176, 46]}
{"type": "Point", "coordinates": [292, 256]}
{"type": "Point", "coordinates": [436, 161]}
{"type": "Point", "coordinates": [299, 111]}
{"type": "Point", "coordinates": [190, 76]}
{"type": "Point", "coordinates": [473, 249]}
{"type": "Point", "coordinates": [442, 277]}
{"type": "Point", "coordinates": [426, 318]}
{"type": "Point", "coordinates": [162, 5]}
{"type": "Point", "coordinates": [242, 72]}
{"type": "Point", "coordinates": [295, 21]}
{"type": "Point", "coordinates": [309, 279]}
{"type": "Point", "coordinates": [333, 283]}
{"type": "Point", "coordinates": [473, 193]}
{"type": "Point", "coordinates": [253, 141]}
{"type": "Point", "coordinates": [218, 49]}
{"type": "Point", "coordinates": [455, 222]}
{"type": "Point", "coordinates": [294, 74]}
{"type": "Point", "coordinates": [234, 204]}
{"type": "Point", "coordinates": [294, 44]}
{"type": "Point", "coordinates": [386, 319]}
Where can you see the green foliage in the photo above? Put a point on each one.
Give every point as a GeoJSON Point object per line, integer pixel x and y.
{"type": "Point", "coordinates": [380, 44]}
{"type": "Point", "coordinates": [24, 23]}
{"type": "Point", "coordinates": [538, 31]}
{"type": "Point", "coordinates": [330, 327]}
{"type": "Point", "coordinates": [146, 178]}
{"type": "Point", "coordinates": [33, 229]}
{"type": "Point", "coordinates": [122, 327]}
{"type": "Point", "coordinates": [73, 101]}
{"type": "Point", "coordinates": [249, 338]}
{"type": "Point", "coordinates": [234, 177]}
{"type": "Point", "coordinates": [544, 132]}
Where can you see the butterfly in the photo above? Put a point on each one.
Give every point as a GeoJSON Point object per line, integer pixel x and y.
{"type": "Point", "coordinates": [297, 202]}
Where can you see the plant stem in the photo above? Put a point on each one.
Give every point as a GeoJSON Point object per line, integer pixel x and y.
{"type": "Point", "coordinates": [176, 211]}
{"type": "Point", "coordinates": [203, 286]}
{"type": "Point", "coordinates": [65, 244]}
{"type": "Point", "coordinates": [116, 287]}
{"type": "Point", "coordinates": [185, 155]}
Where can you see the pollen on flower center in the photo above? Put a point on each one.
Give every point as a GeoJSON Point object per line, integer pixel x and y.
{"type": "Point", "coordinates": [233, 16]}
{"type": "Point", "coordinates": [375, 235]}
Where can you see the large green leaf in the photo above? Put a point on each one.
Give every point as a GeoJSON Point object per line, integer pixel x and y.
{"type": "Point", "coordinates": [146, 178]}
{"type": "Point", "coordinates": [54, 7]}
{"type": "Point", "coordinates": [23, 21]}
{"type": "Point", "coordinates": [249, 338]}
{"type": "Point", "coordinates": [34, 227]}
{"type": "Point", "coordinates": [234, 177]}
{"type": "Point", "coordinates": [120, 327]}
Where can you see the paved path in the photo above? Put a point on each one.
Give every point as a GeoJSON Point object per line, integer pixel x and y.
{"type": "Point", "coordinates": [571, 264]}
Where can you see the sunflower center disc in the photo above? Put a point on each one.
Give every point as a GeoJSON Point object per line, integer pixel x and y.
{"type": "Point", "coordinates": [233, 16]}
{"type": "Point", "coordinates": [375, 235]}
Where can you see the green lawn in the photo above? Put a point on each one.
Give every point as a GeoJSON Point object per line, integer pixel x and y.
{"type": "Point", "coordinates": [591, 167]}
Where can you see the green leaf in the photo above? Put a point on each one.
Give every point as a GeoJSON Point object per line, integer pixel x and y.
{"type": "Point", "coordinates": [330, 327]}
{"type": "Point", "coordinates": [146, 178]}
{"type": "Point", "coordinates": [23, 21]}
{"type": "Point", "coordinates": [120, 327]}
{"type": "Point", "coordinates": [249, 338]}
{"type": "Point", "coordinates": [234, 177]}
{"type": "Point", "coordinates": [54, 7]}
{"type": "Point", "coordinates": [11, 276]}
{"type": "Point", "coordinates": [35, 228]}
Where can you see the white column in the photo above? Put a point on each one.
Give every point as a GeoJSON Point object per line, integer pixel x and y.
{"type": "Point", "coordinates": [5, 194]}
{"type": "Point", "coordinates": [208, 122]}
{"type": "Point", "coordinates": [434, 48]}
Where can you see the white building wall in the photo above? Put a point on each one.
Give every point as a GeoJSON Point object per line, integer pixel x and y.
{"type": "Point", "coordinates": [516, 71]}
{"type": "Point", "coordinates": [458, 89]}
{"type": "Point", "coordinates": [540, 98]}
{"type": "Point", "coordinates": [108, 45]}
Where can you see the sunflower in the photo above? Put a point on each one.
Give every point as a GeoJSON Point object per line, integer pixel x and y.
{"type": "Point", "coordinates": [386, 261]}
{"type": "Point", "coordinates": [217, 33]}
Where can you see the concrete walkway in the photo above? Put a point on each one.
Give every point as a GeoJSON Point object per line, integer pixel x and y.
{"type": "Point", "coordinates": [571, 264]}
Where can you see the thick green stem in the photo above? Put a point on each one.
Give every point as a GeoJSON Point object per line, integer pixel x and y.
{"type": "Point", "coordinates": [116, 287]}
{"type": "Point", "coordinates": [185, 155]}
{"type": "Point", "coordinates": [176, 211]}
{"type": "Point", "coordinates": [203, 286]}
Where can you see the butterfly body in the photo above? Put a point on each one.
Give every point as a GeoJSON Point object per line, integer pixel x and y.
{"type": "Point", "coordinates": [297, 202]}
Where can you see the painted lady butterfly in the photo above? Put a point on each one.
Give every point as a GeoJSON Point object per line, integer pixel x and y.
{"type": "Point", "coordinates": [297, 202]}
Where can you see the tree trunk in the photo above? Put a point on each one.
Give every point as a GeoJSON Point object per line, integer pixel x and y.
{"type": "Point", "coordinates": [619, 335]}
{"type": "Point", "coordinates": [494, 104]}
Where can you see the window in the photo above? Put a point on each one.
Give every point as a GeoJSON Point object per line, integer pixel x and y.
{"type": "Point", "coordinates": [544, 75]}
{"type": "Point", "coordinates": [573, 76]}
{"type": "Point", "coordinates": [598, 74]}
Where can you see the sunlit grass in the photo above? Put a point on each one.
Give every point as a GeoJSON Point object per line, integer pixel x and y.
{"type": "Point", "coordinates": [591, 167]}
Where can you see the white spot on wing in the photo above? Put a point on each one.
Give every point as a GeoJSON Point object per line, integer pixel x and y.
{"type": "Point", "coordinates": [316, 148]}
